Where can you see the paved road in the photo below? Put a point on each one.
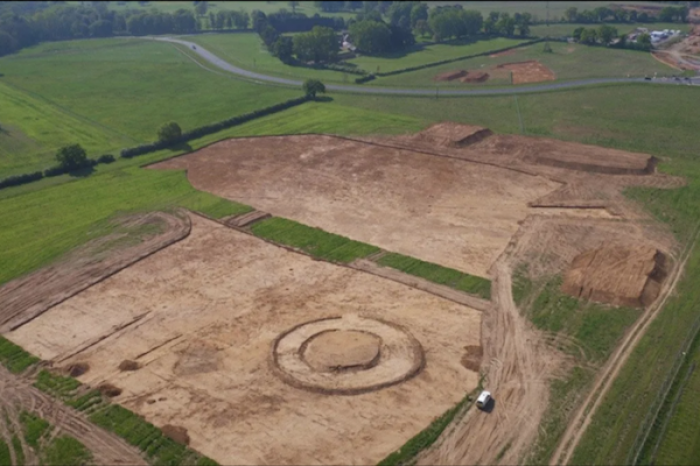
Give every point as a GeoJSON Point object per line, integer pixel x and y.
{"type": "Point", "coordinates": [224, 65]}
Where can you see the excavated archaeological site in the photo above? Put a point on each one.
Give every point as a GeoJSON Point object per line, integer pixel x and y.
{"type": "Point", "coordinates": [264, 355]}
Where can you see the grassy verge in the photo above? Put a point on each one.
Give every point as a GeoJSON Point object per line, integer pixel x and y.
{"type": "Point", "coordinates": [14, 357]}
{"type": "Point", "coordinates": [438, 274]}
{"type": "Point", "coordinates": [311, 240]}
{"type": "Point", "coordinates": [408, 452]}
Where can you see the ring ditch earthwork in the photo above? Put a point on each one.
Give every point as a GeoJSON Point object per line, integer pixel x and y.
{"type": "Point", "coordinates": [346, 355]}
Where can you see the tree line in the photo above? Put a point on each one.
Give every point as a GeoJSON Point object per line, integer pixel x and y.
{"type": "Point", "coordinates": [618, 15]}
{"type": "Point", "coordinates": [606, 34]}
{"type": "Point", "coordinates": [26, 24]}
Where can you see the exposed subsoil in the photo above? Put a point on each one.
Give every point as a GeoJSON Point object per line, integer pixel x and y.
{"type": "Point", "coordinates": [531, 71]}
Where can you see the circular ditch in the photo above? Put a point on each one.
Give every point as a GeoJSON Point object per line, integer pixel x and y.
{"type": "Point", "coordinates": [346, 355]}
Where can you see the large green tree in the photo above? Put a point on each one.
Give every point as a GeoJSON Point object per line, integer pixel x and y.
{"type": "Point", "coordinates": [607, 34]}
{"type": "Point", "coordinates": [312, 87]}
{"type": "Point", "coordinates": [371, 37]}
{"type": "Point", "coordinates": [71, 157]}
{"type": "Point", "coordinates": [321, 44]}
{"type": "Point", "coordinates": [169, 132]}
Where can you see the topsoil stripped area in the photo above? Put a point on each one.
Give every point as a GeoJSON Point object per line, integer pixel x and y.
{"type": "Point", "coordinates": [531, 71]}
{"type": "Point", "coordinates": [437, 209]}
{"type": "Point", "coordinates": [203, 315]}
{"type": "Point", "coordinates": [28, 297]}
{"type": "Point", "coordinates": [483, 191]}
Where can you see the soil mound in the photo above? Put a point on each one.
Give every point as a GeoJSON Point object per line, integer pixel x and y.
{"type": "Point", "coordinates": [128, 365]}
{"type": "Point", "coordinates": [77, 369]}
{"type": "Point", "coordinates": [342, 350]}
{"type": "Point", "coordinates": [110, 390]}
{"type": "Point", "coordinates": [448, 134]}
{"type": "Point", "coordinates": [622, 276]}
{"type": "Point", "coordinates": [177, 433]}
{"type": "Point", "coordinates": [463, 76]}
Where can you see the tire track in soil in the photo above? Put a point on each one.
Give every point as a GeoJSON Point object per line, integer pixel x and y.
{"type": "Point", "coordinates": [106, 448]}
{"type": "Point", "coordinates": [604, 380]}
{"type": "Point", "coordinates": [519, 364]}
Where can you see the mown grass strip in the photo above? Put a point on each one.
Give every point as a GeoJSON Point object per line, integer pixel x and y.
{"type": "Point", "coordinates": [424, 438]}
{"type": "Point", "coordinates": [312, 240]}
{"type": "Point", "coordinates": [56, 385]}
{"type": "Point", "coordinates": [14, 358]}
{"type": "Point", "coordinates": [438, 274]}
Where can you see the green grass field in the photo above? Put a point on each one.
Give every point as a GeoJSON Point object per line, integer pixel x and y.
{"type": "Point", "coordinates": [107, 94]}
{"type": "Point", "coordinates": [438, 274]}
{"type": "Point", "coordinates": [567, 61]}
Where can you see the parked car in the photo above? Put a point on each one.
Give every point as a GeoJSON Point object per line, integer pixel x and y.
{"type": "Point", "coordinates": [483, 400]}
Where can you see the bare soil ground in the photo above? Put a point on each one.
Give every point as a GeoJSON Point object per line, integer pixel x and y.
{"type": "Point", "coordinates": [531, 71]}
{"type": "Point", "coordinates": [437, 209]}
{"type": "Point", "coordinates": [28, 297]}
{"type": "Point", "coordinates": [211, 306]}
{"type": "Point", "coordinates": [504, 53]}
{"type": "Point", "coordinates": [19, 395]}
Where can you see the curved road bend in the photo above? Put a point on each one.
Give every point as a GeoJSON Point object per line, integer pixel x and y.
{"type": "Point", "coordinates": [224, 65]}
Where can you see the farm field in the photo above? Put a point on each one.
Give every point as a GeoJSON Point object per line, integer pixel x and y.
{"type": "Point", "coordinates": [194, 337]}
{"type": "Point", "coordinates": [121, 89]}
{"type": "Point", "coordinates": [567, 62]}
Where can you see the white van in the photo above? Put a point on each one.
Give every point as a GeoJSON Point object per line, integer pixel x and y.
{"type": "Point", "coordinates": [483, 399]}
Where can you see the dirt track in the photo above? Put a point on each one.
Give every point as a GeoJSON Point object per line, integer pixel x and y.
{"type": "Point", "coordinates": [519, 364]}
{"type": "Point", "coordinates": [108, 449]}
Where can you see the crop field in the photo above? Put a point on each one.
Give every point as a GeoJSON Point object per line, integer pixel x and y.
{"type": "Point", "coordinates": [107, 94]}
{"type": "Point", "coordinates": [567, 61]}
